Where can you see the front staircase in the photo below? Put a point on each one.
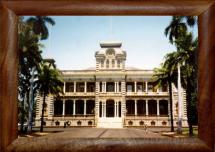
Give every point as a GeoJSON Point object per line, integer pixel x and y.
{"type": "Point", "coordinates": [111, 122]}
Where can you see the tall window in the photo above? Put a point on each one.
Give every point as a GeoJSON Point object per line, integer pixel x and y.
{"type": "Point", "coordinates": [110, 87]}
{"type": "Point", "coordinates": [113, 63]}
{"type": "Point", "coordinates": [69, 86]}
{"type": "Point", "coordinates": [102, 63]}
{"type": "Point", "coordinates": [58, 107]}
{"type": "Point", "coordinates": [107, 63]}
{"type": "Point", "coordinates": [118, 63]}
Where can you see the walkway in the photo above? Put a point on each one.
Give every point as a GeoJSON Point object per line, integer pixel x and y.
{"type": "Point", "coordinates": [84, 137]}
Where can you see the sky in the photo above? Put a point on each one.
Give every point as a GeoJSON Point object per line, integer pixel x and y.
{"type": "Point", "coordinates": [73, 40]}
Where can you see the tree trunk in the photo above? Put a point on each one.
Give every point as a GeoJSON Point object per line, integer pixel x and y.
{"type": "Point", "coordinates": [42, 117]}
{"type": "Point", "coordinates": [189, 106]}
{"type": "Point", "coordinates": [170, 100]}
{"type": "Point", "coordinates": [30, 103]}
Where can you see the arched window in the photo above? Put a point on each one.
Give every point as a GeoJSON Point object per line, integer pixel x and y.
{"type": "Point", "coordinates": [107, 63]}
{"type": "Point", "coordinates": [102, 63]}
{"type": "Point", "coordinates": [113, 63]}
{"type": "Point", "coordinates": [118, 63]}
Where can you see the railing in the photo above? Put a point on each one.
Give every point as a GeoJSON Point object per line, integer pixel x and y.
{"type": "Point", "coordinates": [147, 93]}
{"type": "Point", "coordinates": [79, 94]}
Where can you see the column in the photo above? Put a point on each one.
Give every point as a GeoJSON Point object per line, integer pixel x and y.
{"type": "Point", "coordinates": [105, 88]}
{"type": "Point", "coordinates": [105, 109]}
{"type": "Point", "coordinates": [146, 86]}
{"type": "Point", "coordinates": [64, 87]}
{"type": "Point", "coordinates": [135, 87]}
{"type": "Point", "coordinates": [63, 113]}
{"type": "Point", "coordinates": [74, 107]}
{"type": "Point", "coordinates": [85, 106]}
{"type": "Point", "coordinates": [158, 110]}
{"type": "Point", "coordinates": [135, 107]}
{"type": "Point", "coordinates": [115, 87]}
{"type": "Point", "coordinates": [147, 108]}
{"type": "Point", "coordinates": [74, 86]}
{"type": "Point", "coordinates": [115, 108]}
{"type": "Point", "coordinates": [85, 87]}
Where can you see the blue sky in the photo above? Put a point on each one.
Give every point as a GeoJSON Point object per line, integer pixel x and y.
{"type": "Point", "coordinates": [74, 40]}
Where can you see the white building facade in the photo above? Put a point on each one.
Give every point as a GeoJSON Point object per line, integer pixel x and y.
{"type": "Point", "coordinates": [110, 96]}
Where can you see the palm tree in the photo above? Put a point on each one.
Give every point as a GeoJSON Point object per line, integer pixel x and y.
{"type": "Point", "coordinates": [177, 25]}
{"type": "Point", "coordinates": [50, 83]}
{"type": "Point", "coordinates": [30, 57]}
{"type": "Point", "coordinates": [163, 76]}
{"type": "Point", "coordinates": [187, 55]}
{"type": "Point", "coordinates": [176, 29]}
{"type": "Point", "coordinates": [39, 25]}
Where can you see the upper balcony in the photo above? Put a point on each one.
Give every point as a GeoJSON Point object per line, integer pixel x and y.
{"type": "Point", "coordinates": [140, 93]}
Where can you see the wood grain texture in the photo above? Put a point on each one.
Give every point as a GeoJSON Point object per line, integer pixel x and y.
{"type": "Point", "coordinates": [8, 78]}
{"type": "Point", "coordinates": [207, 76]}
{"type": "Point", "coordinates": [108, 7]}
{"type": "Point", "coordinates": [108, 145]}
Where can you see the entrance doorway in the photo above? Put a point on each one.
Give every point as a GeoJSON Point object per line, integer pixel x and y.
{"type": "Point", "coordinates": [110, 108]}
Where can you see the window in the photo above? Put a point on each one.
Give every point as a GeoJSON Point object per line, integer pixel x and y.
{"type": "Point", "coordinates": [152, 105]}
{"type": "Point", "coordinates": [102, 63]}
{"type": "Point", "coordinates": [90, 107]}
{"type": "Point", "coordinates": [118, 63]}
{"type": "Point", "coordinates": [113, 63]}
{"type": "Point", "coordinates": [107, 64]}
{"type": "Point", "coordinates": [79, 86]}
{"type": "Point", "coordinates": [90, 86]}
{"type": "Point", "coordinates": [68, 107]}
{"type": "Point", "coordinates": [130, 107]}
{"type": "Point", "coordinates": [69, 87]}
{"type": "Point", "coordinates": [163, 106]}
{"type": "Point", "coordinates": [110, 86]}
{"type": "Point", "coordinates": [58, 107]}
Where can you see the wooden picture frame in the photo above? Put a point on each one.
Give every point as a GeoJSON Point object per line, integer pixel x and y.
{"type": "Point", "coordinates": [205, 9]}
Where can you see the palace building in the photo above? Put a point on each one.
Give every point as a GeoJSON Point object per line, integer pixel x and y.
{"type": "Point", "coordinates": [110, 95]}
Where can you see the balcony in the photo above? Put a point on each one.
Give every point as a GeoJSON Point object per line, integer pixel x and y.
{"type": "Point", "coordinates": [139, 93]}
{"type": "Point", "coordinates": [79, 94]}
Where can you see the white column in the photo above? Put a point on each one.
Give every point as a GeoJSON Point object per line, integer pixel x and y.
{"type": "Point", "coordinates": [146, 86]}
{"type": "Point", "coordinates": [105, 88]}
{"type": "Point", "coordinates": [74, 86]}
{"type": "Point", "coordinates": [85, 86]}
{"type": "Point", "coordinates": [63, 113]}
{"type": "Point", "coordinates": [64, 87]}
{"type": "Point", "coordinates": [135, 107]}
{"type": "Point", "coordinates": [147, 108]}
{"type": "Point", "coordinates": [102, 109]}
{"type": "Point", "coordinates": [179, 101]}
{"type": "Point", "coordinates": [114, 108]}
{"type": "Point", "coordinates": [135, 86]}
{"type": "Point", "coordinates": [117, 109]}
{"type": "Point", "coordinates": [85, 107]}
{"type": "Point", "coordinates": [105, 109]}
{"type": "Point", "coordinates": [74, 107]}
{"type": "Point", "coordinates": [115, 87]}
{"type": "Point", "coordinates": [158, 110]}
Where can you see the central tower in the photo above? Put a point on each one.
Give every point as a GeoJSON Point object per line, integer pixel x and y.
{"type": "Point", "coordinates": [110, 56]}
